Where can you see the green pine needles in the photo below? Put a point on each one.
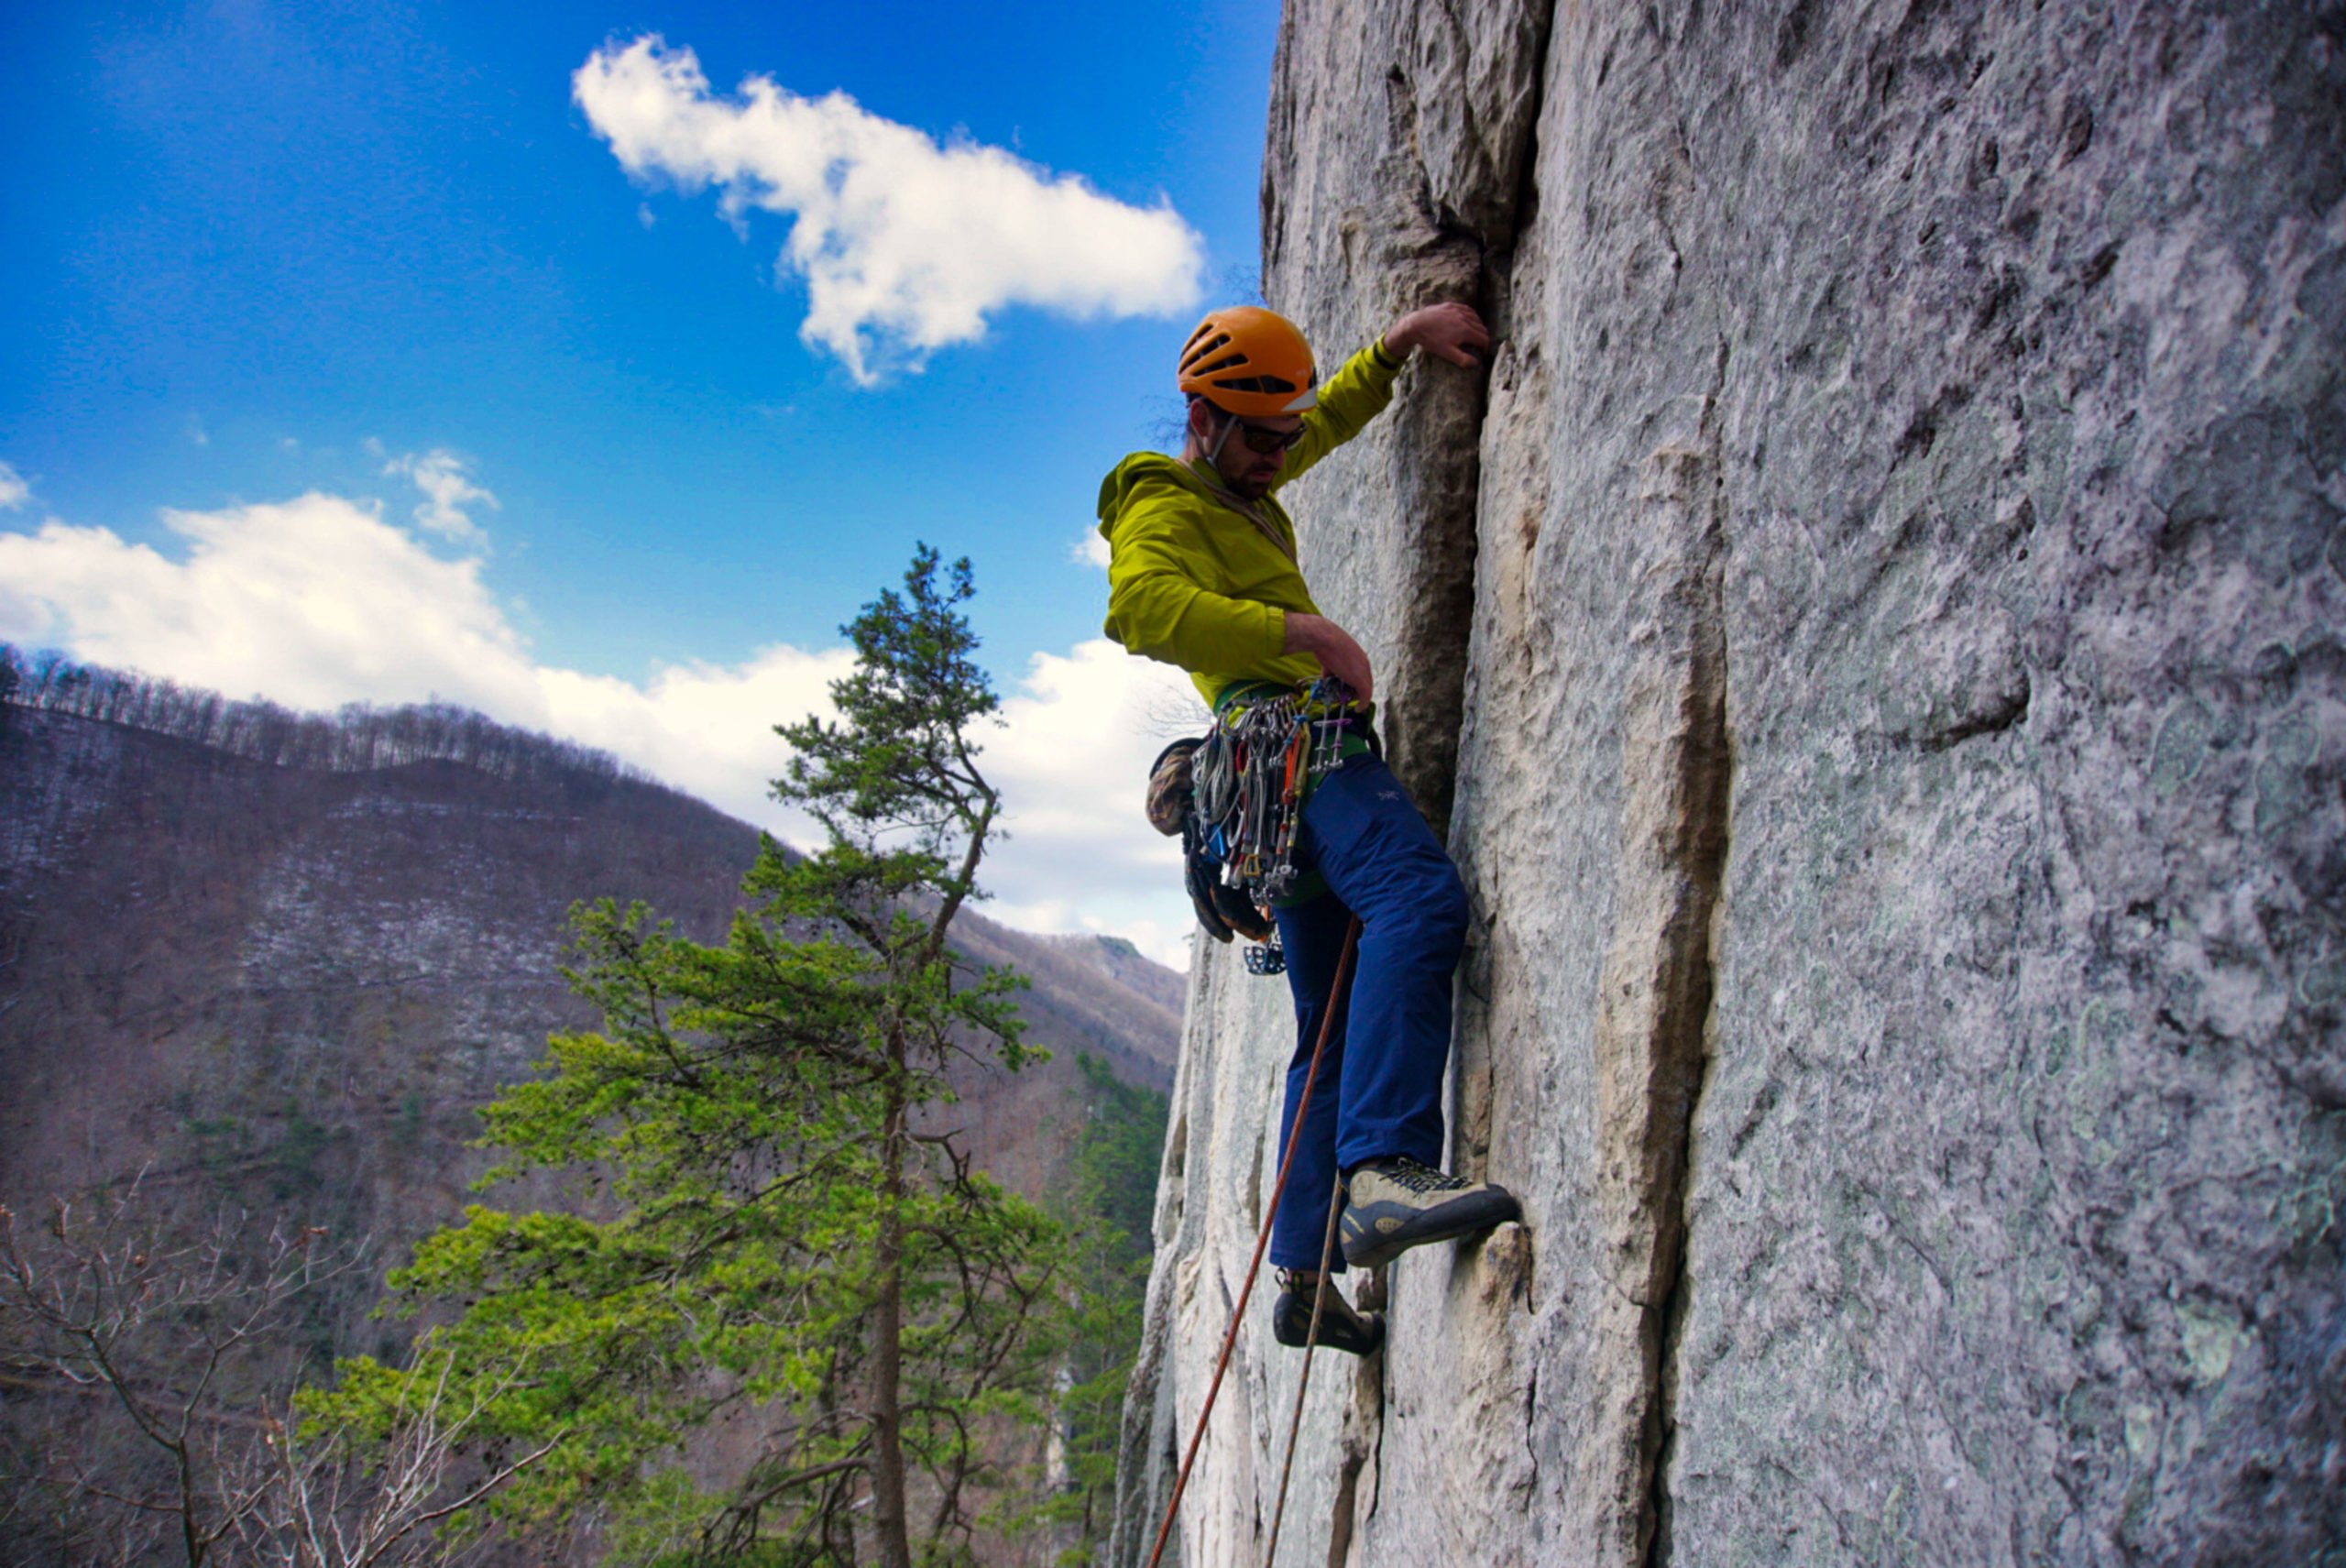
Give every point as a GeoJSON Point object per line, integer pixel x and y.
{"type": "Point", "coordinates": [769, 1234]}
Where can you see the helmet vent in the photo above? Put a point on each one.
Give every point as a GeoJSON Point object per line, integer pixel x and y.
{"type": "Point", "coordinates": [1197, 351]}
{"type": "Point", "coordinates": [1255, 384]}
{"type": "Point", "coordinates": [1249, 361]}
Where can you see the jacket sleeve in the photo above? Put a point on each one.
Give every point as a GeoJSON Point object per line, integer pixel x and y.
{"type": "Point", "coordinates": [1157, 605]}
{"type": "Point", "coordinates": [1348, 400]}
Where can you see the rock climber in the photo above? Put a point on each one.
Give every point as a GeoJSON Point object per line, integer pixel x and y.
{"type": "Point", "coordinates": [1203, 573]}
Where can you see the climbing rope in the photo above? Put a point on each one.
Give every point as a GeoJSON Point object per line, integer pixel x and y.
{"type": "Point", "coordinates": [1303, 1383]}
{"type": "Point", "coordinates": [1262, 1241]}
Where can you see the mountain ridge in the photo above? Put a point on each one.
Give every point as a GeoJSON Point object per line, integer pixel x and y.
{"type": "Point", "coordinates": [277, 978]}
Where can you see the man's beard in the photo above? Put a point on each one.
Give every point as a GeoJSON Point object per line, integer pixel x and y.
{"type": "Point", "coordinates": [1251, 487]}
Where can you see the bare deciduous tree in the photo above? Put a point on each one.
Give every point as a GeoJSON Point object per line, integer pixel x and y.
{"type": "Point", "coordinates": [149, 1412]}
{"type": "Point", "coordinates": [328, 1499]}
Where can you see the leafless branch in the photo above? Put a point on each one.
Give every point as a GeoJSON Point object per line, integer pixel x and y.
{"type": "Point", "coordinates": [104, 1300]}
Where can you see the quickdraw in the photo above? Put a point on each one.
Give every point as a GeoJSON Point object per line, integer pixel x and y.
{"type": "Point", "coordinates": [1267, 957]}
{"type": "Point", "coordinates": [1252, 777]}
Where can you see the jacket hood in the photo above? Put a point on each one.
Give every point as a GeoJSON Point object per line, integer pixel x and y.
{"type": "Point", "coordinates": [1141, 471]}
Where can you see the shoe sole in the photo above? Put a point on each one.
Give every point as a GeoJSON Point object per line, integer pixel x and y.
{"type": "Point", "coordinates": [1376, 1325]}
{"type": "Point", "coordinates": [1365, 1246]}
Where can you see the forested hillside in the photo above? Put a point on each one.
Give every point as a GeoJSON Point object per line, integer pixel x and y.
{"type": "Point", "coordinates": [278, 961]}
{"type": "Point", "coordinates": [292, 952]}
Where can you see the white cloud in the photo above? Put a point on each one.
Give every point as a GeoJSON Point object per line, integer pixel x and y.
{"type": "Point", "coordinates": [1072, 760]}
{"type": "Point", "coordinates": [320, 600]}
{"type": "Point", "coordinates": [1088, 550]}
{"type": "Point", "coordinates": [316, 601]}
{"type": "Point", "coordinates": [906, 246]}
{"type": "Point", "coordinates": [14, 491]}
{"type": "Point", "coordinates": [440, 475]}
{"type": "Point", "coordinates": [705, 729]}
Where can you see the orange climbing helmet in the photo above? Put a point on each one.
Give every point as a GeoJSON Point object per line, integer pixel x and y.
{"type": "Point", "coordinates": [1251, 362]}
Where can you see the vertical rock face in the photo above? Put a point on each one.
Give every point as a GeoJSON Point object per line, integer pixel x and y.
{"type": "Point", "coordinates": [1874, 638]}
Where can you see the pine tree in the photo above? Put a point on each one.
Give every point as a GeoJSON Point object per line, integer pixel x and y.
{"type": "Point", "coordinates": [791, 1234]}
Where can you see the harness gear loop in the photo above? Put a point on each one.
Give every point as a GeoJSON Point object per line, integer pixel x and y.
{"type": "Point", "coordinates": [1262, 1241]}
{"type": "Point", "coordinates": [1252, 776]}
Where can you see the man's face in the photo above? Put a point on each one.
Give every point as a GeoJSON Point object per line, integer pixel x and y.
{"type": "Point", "coordinates": [1247, 472]}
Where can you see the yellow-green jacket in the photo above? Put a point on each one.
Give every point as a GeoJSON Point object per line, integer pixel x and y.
{"type": "Point", "coordinates": [1194, 581]}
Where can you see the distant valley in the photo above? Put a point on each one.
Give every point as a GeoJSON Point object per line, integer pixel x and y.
{"type": "Point", "coordinates": [278, 960]}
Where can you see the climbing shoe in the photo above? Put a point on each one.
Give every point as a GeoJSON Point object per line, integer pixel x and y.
{"type": "Point", "coordinates": [1341, 1328]}
{"type": "Point", "coordinates": [1395, 1203]}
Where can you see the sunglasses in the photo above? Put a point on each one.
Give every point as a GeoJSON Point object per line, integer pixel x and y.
{"type": "Point", "coordinates": [1263, 440]}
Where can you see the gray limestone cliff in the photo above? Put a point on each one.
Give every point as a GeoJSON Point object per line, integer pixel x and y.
{"type": "Point", "coordinates": [1875, 638]}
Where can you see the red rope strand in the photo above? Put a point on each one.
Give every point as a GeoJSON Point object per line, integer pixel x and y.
{"type": "Point", "coordinates": [1261, 1240]}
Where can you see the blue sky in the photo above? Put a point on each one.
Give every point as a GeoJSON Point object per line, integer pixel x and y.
{"type": "Point", "coordinates": [351, 317]}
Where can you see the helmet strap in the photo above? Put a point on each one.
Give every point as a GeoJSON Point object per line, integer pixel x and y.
{"type": "Point", "coordinates": [1229, 424]}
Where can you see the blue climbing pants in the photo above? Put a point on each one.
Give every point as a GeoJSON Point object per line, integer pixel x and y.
{"type": "Point", "coordinates": [1379, 1090]}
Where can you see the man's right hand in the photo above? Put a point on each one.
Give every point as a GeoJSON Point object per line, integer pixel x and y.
{"type": "Point", "coordinates": [1330, 643]}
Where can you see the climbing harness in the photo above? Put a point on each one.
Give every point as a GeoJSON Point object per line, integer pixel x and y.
{"type": "Point", "coordinates": [1248, 781]}
{"type": "Point", "coordinates": [1252, 777]}
{"type": "Point", "coordinates": [1236, 797]}
{"type": "Point", "coordinates": [1254, 1264]}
